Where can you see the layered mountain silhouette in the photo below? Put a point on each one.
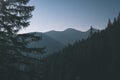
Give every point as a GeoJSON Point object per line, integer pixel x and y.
{"type": "Point", "coordinates": [56, 40]}
{"type": "Point", "coordinates": [69, 35]}
{"type": "Point", "coordinates": [51, 45]}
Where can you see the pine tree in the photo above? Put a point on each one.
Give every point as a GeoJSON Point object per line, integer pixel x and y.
{"type": "Point", "coordinates": [118, 18]}
{"type": "Point", "coordinates": [91, 31]}
{"type": "Point", "coordinates": [114, 21]}
{"type": "Point", "coordinates": [109, 23]}
{"type": "Point", "coordinates": [14, 16]}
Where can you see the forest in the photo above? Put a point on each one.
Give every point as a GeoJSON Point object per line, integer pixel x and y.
{"type": "Point", "coordinates": [94, 58]}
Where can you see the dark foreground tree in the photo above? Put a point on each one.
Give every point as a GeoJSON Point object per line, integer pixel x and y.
{"type": "Point", "coordinates": [14, 16]}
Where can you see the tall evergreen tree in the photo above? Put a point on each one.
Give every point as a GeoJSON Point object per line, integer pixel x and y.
{"type": "Point", "coordinates": [109, 23]}
{"type": "Point", "coordinates": [14, 16]}
{"type": "Point", "coordinates": [91, 31]}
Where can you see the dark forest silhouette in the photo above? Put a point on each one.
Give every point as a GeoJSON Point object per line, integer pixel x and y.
{"type": "Point", "coordinates": [14, 15]}
{"type": "Point", "coordinates": [94, 58]}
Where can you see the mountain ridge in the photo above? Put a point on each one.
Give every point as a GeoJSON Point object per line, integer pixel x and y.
{"type": "Point", "coordinates": [69, 35]}
{"type": "Point", "coordinates": [54, 41]}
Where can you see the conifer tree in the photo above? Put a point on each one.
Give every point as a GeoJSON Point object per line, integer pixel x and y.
{"type": "Point", "coordinates": [109, 23]}
{"type": "Point", "coordinates": [91, 31]}
{"type": "Point", "coordinates": [14, 16]}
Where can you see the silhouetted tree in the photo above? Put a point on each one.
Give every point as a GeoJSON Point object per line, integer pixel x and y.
{"type": "Point", "coordinates": [14, 16]}
{"type": "Point", "coordinates": [109, 23]}
{"type": "Point", "coordinates": [91, 31]}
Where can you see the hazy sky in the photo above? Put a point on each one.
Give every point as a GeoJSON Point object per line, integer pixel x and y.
{"type": "Point", "coordinates": [78, 14]}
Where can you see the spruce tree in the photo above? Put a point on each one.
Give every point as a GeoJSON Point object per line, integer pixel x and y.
{"type": "Point", "coordinates": [109, 23]}
{"type": "Point", "coordinates": [14, 16]}
{"type": "Point", "coordinates": [91, 31]}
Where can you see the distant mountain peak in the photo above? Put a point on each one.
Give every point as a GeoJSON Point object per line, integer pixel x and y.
{"type": "Point", "coordinates": [52, 31]}
{"type": "Point", "coordinates": [70, 29]}
{"type": "Point", "coordinates": [66, 30]}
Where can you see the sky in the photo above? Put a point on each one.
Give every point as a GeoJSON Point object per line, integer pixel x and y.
{"type": "Point", "coordinates": [78, 14]}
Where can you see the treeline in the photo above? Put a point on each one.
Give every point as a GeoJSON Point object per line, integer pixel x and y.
{"type": "Point", "coordinates": [96, 58]}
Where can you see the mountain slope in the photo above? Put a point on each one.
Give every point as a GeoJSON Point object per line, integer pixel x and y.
{"type": "Point", "coordinates": [69, 35]}
{"type": "Point", "coordinates": [96, 58]}
{"type": "Point", "coordinates": [54, 41]}
{"type": "Point", "coordinates": [51, 44]}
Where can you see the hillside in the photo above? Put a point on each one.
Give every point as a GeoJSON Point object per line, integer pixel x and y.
{"type": "Point", "coordinates": [96, 58]}
{"type": "Point", "coordinates": [50, 44]}
{"type": "Point", "coordinates": [54, 41]}
{"type": "Point", "coordinates": [69, 35]}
